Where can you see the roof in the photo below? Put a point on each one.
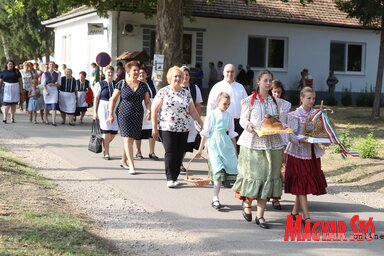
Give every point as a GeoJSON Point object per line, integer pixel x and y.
{"type": "Point", "coordinates": [141, 56]}
{"type": "Point", "coordinates": [77, 12]}
{"type": "Point", "coordinates": [320, 12]}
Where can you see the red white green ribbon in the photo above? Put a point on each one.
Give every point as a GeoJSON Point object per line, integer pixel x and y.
{"type": "Point", "coordinates": [331, 132]}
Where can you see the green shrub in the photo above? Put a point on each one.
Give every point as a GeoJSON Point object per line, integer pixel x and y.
{"type": "Point", "coordinates": [362, 99]}
{"type": "Point", "coordinates": [346, 98]}
{"type": "Point", "coordinates": [294, 98]}
{"type": "Point", "coordinates": [368, 147]}
{"type": "Point", "coordinates": [346, 140]}
{"type": "Point", "coordinates": [370, 97]}
{"type": "Point", "coordinates": [331, 101]}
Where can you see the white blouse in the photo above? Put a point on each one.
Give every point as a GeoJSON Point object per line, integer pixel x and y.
{"type": "Point", "coordinates": [296, 121]}
{"type": "Point", "coordinates": [254, 115]}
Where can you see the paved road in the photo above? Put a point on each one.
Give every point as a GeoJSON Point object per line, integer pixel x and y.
{"type": "Point", "coordinates": [225, 232]}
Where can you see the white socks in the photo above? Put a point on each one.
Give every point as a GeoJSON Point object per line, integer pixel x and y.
{"type": "Point", "coordinates": [216, 190]}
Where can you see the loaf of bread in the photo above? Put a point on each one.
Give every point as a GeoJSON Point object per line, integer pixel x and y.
{"type": "Point", "coordinates": [271, 124]}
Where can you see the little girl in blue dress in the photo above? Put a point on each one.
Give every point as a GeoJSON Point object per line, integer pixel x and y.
{"type": "Point", "coordinates": [219, 131]}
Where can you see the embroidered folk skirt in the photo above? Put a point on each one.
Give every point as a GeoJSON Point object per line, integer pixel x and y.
{"type": "Point", "coordinates": [259, 174]}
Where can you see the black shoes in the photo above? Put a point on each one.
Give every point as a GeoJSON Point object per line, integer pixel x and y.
{"type": "Point", "coordinates": [294, 215]}
{"type": "Point", "coordinates": [153, 157]}
{"type": "Point", "coordinates": [276, 205]}
{"type": "Point", "coordinates": [247, 216]}
{"type": "Point", "coordinates": [261, 224]}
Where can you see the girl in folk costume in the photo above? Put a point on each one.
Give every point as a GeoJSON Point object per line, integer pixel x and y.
{"type": "Point", "coordinates": [82, 86]}
{"type": "Point", "coordinates": [68, 97]}
{"type": "Point", "coordinates": [221, 146]}
{"type": "Point", "coordinates": [284, 107]}
{"type": "Point", "coordinates": [103, 91]}
{"type": "Point", "coordinates": [303, 174]}
{"type": "Point", "coordinates": [260, 157]}
{"type": "Point", "coordinates": [33, 95]}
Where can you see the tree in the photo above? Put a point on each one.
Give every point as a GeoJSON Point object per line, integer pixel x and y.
{"type": "Point", "coordinates": [29, 38]}
{"type": "Point", "coordinates": [371, 14]}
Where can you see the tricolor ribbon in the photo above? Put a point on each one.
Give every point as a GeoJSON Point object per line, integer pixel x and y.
{"type": "Point", "coordinates": [331, 132]}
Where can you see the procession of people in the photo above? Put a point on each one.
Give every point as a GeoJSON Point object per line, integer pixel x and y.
{"type": "Point", "coordinates": [130, 105]}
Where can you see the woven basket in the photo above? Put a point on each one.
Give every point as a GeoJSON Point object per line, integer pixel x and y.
{"type": "Point", "coordinates": [197, 181]}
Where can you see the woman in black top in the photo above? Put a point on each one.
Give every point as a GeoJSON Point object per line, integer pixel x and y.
{"type": "Point", "coordinates": [11, 83]}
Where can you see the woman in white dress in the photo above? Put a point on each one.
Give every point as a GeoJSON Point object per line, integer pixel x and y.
{"type": "Point", "coordinates": [103, 92]}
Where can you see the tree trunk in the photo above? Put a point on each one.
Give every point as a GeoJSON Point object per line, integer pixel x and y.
{"type": "Point", "coordinates": [5, 47]}
{"type": "Point", "coordinates": [379, 78]}
{"type": "Point", "coordinates": [169, 33]}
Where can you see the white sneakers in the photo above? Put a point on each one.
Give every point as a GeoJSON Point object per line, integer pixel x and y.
{"type": "Point", "coordinates": [172, 184]}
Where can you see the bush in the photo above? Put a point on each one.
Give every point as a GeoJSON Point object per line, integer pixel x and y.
{"type": "Point", "coordinates": [346, 98]}
{"type": "Point", "coordinates": [346, 140]}
{"type": "Point", "coordinates": [331, 101]}
{"type": "Point", "coordinates": [370, 98]}
{"type": "Point", "coordinates": [368, 147]}
{"type": "Point", "coordinates": [362, 99]}
{"type": "Point", "coordinates": [294, 98]}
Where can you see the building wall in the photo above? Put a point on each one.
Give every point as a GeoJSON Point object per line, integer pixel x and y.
{"type": "Point", "coordinates": [227, 40]}
{"type": "Point", "coordinates": [79, 50]}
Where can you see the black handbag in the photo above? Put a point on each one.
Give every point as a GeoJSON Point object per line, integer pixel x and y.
{"type": "Point", "coordinates": [96, 141]}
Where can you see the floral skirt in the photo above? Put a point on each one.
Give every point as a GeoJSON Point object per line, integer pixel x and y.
{"type": "Point", "coordinates": [259, 174]}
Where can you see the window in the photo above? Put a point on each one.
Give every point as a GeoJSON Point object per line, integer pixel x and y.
{"type": "Point", "coordinates": [187, 46]}
{"type": "Point", "coordinates": [346, 57]}
{"type": "Point", "coordinates": [66, 48]}
{"type": "Point", "coordinates": [264, 52]}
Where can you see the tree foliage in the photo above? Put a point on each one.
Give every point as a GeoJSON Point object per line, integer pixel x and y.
{"type": "Point", "coordinates": [20, 27]}
{"type": "Point", "coordinates": [371, 14]}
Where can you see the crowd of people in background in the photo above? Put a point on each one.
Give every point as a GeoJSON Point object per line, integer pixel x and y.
{"type": "Point", "coordinates": [126, 101]}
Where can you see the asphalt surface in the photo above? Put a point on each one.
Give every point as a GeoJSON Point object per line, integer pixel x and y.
{"type": "Point", "coordinates": [189, 208]}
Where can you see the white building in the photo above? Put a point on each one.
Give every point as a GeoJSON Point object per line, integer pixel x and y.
{"type": "Point", "coordinates": [283, 37]}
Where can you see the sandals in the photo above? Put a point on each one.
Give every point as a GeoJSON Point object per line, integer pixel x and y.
{"type": "Point", "coordinates": [307, 220]}
{"type": "Point", "coordinates": [276, 205]}
{"type": "Point", "coordinates": [247, 216]}
{"type": "Point", "coordinates": [216, 204]}
{"type": "Point", "coordinates": [139, 156]}
{"type": "Point", "coordinates": [261, 224]}
{"type": "Point", "coordinates": [153, 157]}
{"type": "Point", "coordinates": [294, 215]}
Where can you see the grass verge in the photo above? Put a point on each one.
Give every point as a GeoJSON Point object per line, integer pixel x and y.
{"type": "Point", "coordinates": [358, 172]}
{"type": "Point", "coordinates": [36, 220]}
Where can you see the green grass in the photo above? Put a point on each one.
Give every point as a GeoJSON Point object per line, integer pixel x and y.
{"type": "Point", "coordinates": [356, 171]}
{"type": "Point", "coordinates": [34, 220]}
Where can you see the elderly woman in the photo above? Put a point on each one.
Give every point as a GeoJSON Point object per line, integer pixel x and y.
{"type": "Point", "coordinates": [172, 109]}
{"type": "Point", "coordinates": [130, 112]}
{"type": "Point", "coordinates": [103, 92]}
{"type": "Point", "coordinates": [68, 97]}
{"type": "Point", "coordinates": [50, 81]}
{"type": "Point", "coordinates": [193, 141]}
{"type": "Point", "coordinates": [10, 80]}
{"type": "Point", "coordinates": [82, 86]}
{"type": "Point", "coordinates": [27, 75]}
